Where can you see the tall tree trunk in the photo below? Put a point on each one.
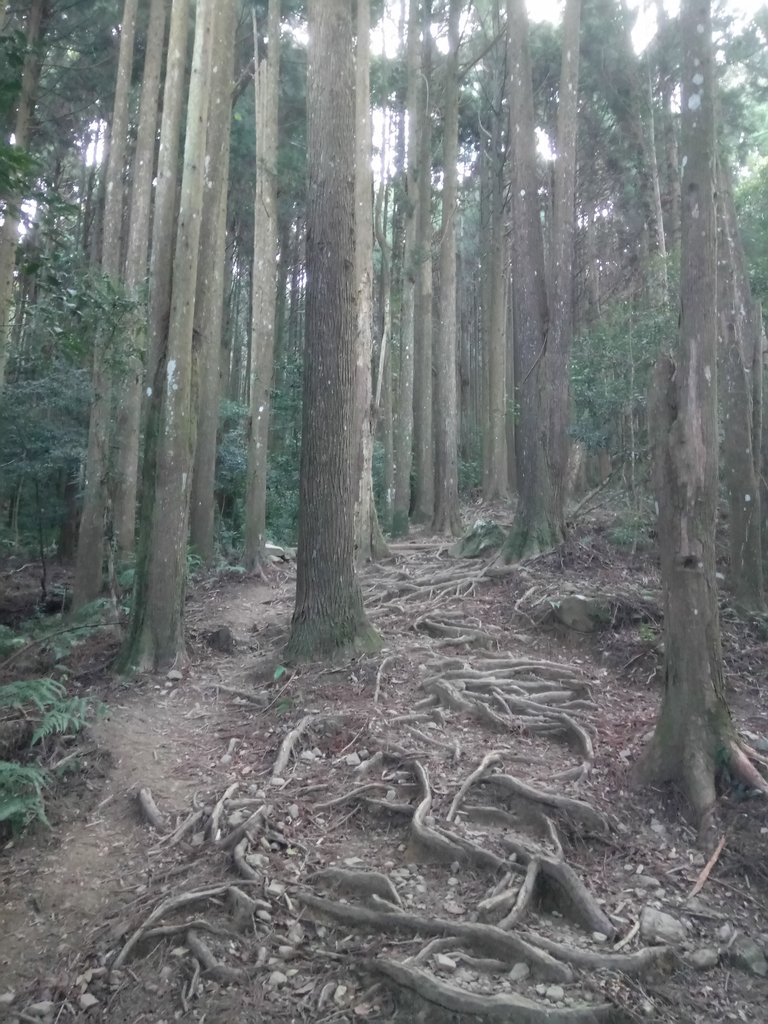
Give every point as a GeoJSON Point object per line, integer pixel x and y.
{"type": "Point", "coordinates": [263, 314]}
{"type": "Point", "coordinates": [156, 633]}
{"type": "Point", "coordinates": [129, 396]}
{"type": "Point", "coordinates": [540, 519]}
{"type": "Point", "coordinates": [415, 180]}
{"type": "Point", "coordinates": [563, 236]}
{"type": "Point", "coordinates": [423, 496]}
{"type": "Point", "coordinates": [694, 738]}
{"type": "Point", "coordinates": [369, 541]}
{"type": "Point", "coordinates": [329, 617]}
{"type": "Point", "coordinates": [495, 481]}
{"type": "Point", "coordinates": [447, 518]}
{"type": "Point", "coordinates": [9, 229]}
{"type": "Point", "coordinates": [738, 342]}
{"type": "Point", "coordinates": [90, 547]}
{"type": "Point", "coordinates": [209, 302]}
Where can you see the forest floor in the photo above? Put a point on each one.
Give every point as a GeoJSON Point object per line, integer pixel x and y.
{"type": "Point", "coordinates": [447, 831]}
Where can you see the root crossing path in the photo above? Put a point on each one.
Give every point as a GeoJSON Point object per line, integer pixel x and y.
{"type": "Point", "coordinates": [433, 834]}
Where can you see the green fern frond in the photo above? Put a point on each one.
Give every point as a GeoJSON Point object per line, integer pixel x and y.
{"type": "Point", "coordinates": [63, 716]}
{"type": "Point", "coordinates": [39, 692]}
{"type": "Point", "coordinates": [21, 794]}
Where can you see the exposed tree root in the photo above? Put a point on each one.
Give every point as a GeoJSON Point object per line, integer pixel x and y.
{"type": "Point", "coordinates": [221, 972]}
{"type": "Point", "coordinates": [150, 811]}
{"type": "Point", "coordinates": [288, 744]}
{"type": "Point", "coordinates": [482, 937]}
{"type": "Point", "coordinates": [631, 964]}
{"type": "Point", "coordinates": [356, 883]}
{"type": "Point", "coordinates": [576, 809]}
{"type": "Point", "coordinates": [525, 896]}
{"type": "Point", "coordinates": [505, 1007]}
{"type": "Point", "coordinates": [741, 766]}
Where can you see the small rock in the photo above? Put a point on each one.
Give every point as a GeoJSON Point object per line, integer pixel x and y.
{"type": "Point", "coordinates": [453, 882]}
{"type": "Point", "coordinates": [541, 989]}
{"type": "Point", "coordinates": [599, 936]}
{"type": "Point", "coordinates": [703, 959]}
{"type": "Point", "coordinates": [657, 828]}
{"type": "Point", "coordinates": [340, 995]}
{"type": "Point", "coordinates": [293, 812]}
{"type": "Point", "coordinates": [257, 860]}
{"type": "Point", "coordinates": [455, 868]}
{"type": "Point", "coordinates": [353, 862]}
{"type": "Point", "coordinates": [519, 972]}
{"type": "Point", "coordinates": [656, 926]}
{"type": "Point", "coordinates": [87, 1001]}
{"type": "Point", "coordinates": [174, 676]}
{"type": "Point", "coordinates": [308, 755]}
{"type": "Point", "coordinates": [275, 889]}
{"type": "Point", "coordinates": [236, 817]}
{"type": "Point", "coordinates": [295, 934]}
{"type": "Point", "coordinates": [277, 978]}
{"type": "Point", "coordinates": [226, 759]}
{"type": "Point", "coordinates": [286, 952]}
{"type": "Point", "coordinates": [452, 907]}
{"type": "Point", "coordinates": [363, 754]}
{"type": "Point", "coordinates": [555, 993]}
{"type": "Point", "coordinates": [724, 932]}
{"type": "Point", "coordinates": [42, 1009]}
{"type": "Point", "coordinates": [645, 882]}
{"type": "Point", "coordinates": [7, 998]}
{"type": "Point", "coordinates": [264, 915]}
{"type": "Point", "coordinates": [353, 760]}
{"type": "Point", "coordinates": [444, 963]}
{"type": "Point", "coordinates": [748, 956]}
{"type": "Point", "coordinates": [166, 974]}
{"type": "Point", "coordinates": [317, 751]}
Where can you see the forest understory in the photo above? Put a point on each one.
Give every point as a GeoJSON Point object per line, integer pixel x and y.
{"type": "Point", "coordinates": [445, 831]}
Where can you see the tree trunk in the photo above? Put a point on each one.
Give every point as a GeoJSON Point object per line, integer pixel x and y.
{"type": "Point", "coordinates": [156, 633]}
{"type": "Point", "coordinates": [263, 314]}
{"type": "Point", "coordinates": [495, 480]}
{"type": "Point", "coordinates": [415, 184]}
{"type": "Point", "coordinates": [423, 496]}
{"type": "Point", "coordinates": [736, 349]}
{"type": "Point", "coordinates": [539, 522]}
{"type": "Point", "coordinates": [211, 273]}
{"type": "Point", "coordinates": [694, 737]}
{"type": "Point", "coordinates": [369, 540]}
{"type": "Point", "coordinates": [129, 397]}
{"type": "Point", "coordinates": [90, 547]}
{"type": "Point", "coordinates": [9, 229]}
{"type": "Point", "coordinates": [447, 518]}
{"type": "Point", "coordinates": [329, 617]}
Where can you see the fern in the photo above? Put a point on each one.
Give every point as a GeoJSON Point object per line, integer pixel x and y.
{"type": "Point", "coordinates": [39, 692]}
{"type": "Point", "coordinates": [21, 794]}
{"type": "Point", "coordinates": [63, 716]}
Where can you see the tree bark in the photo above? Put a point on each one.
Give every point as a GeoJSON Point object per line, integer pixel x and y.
{"type": "Point", "coordinates": [737, 357]}
{"type": "Point", "coordinates": [9, 230]}
{"type": "Point", "coordinates": [211, 274]}
{"type": "Point", "coordinates": [329, 617]}
{"type": "Point", "coordinates": [423, 497]}
{"type": "Point", "coordinates": [90, 547]}
{"type": "Point", "coordinates": [539, 522]}
{"type": "Point", "coordinates": [369, 541]}
{"type": "Point", "coordinates": [414, 187]}
{"type": "Point", "coordinates": [263, 314]}
{"type": "Point", "coordinates": [447, 518]}
{"type": "Point", "coordinates": [156, 632]}
{"type": "Point", "coordinates": [694, 738]}
{"type": "Point", "coordinates": [136, 267]}
{"type": "Point", "coordinates": [495, 479]}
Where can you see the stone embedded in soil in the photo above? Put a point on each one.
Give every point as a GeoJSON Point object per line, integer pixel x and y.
{"type": "Point", "coordinates": [519, 972]}
{"type": "Point", "coordinates": [353, 760]}
{"type": "Point", "coordinates": [745, 954]}
{"type": "Point", "coordinates": [41, 1009]}
{"type": "Point", "coordinates": [452, 907]}
{"type": "Point", "coordinates": [657, 926]}
{"type": "Point", "coordinates": [308, 755]}
{"type": "Point", "coordinates": [277, 978]}
{"type": "Point", "coordinates": [174, 675]}
{"type": "Point", "coordinates": [555, 993]}
{"type": "Point", "coordinates": [87, 1001]}
{"type": "Point", "coordinates": [703, 959]}
{"type": "Point", "coordinates": [340, 995]}
{"type": "Point", "coordinates": [445, 963]}
{"type": "Point", "coordinates": [277, 782]}
{"type": "Point", "coordinates": [724, 932]}
{"type": "Point", "coordinates": [275, 889]}
{"type": "Point", "coordinates": [599, 936]}
{"type": "Point", "coordinates": [293, 812]}
{"type": "Point", "coordinates": [7, 998]}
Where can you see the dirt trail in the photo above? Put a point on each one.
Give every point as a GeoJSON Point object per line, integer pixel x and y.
{"type": "Point", "coordinates": [459, 800]}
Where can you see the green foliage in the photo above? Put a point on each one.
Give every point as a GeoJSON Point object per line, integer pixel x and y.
{"type": "Point", "coordinates": [611, 373]}
{"type": "Point", "coordinates": [632, 529]}
{"type": "Point", "coordinates": [752, 204]}
{"type": "Point", "coordinates": [22, 785]}
{"type": "Point", "coordinates": [21, 794]}
{"type": "Point", "coordinates": [9, 642]}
